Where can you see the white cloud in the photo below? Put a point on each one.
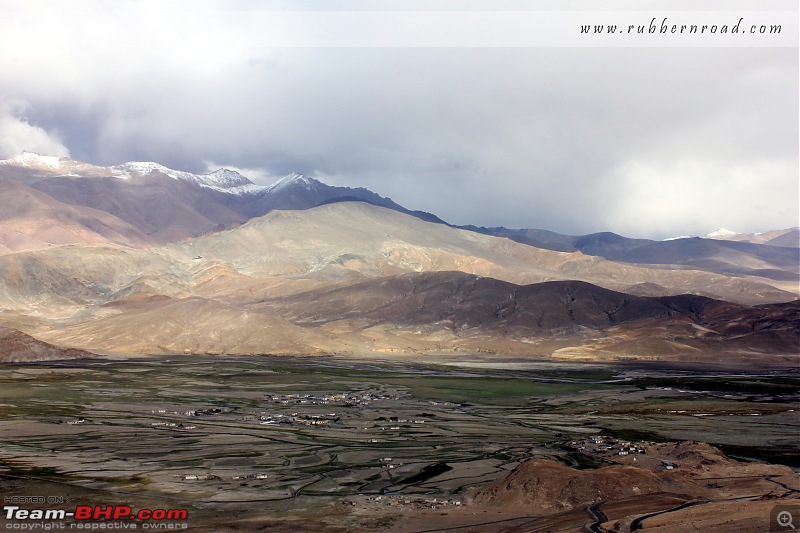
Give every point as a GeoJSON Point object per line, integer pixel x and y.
{"type": "Point", "coordinates": [17, 134]}
{"type": "Point", "coordinates": [699, 195]}
{"type": "Point", "coordinates": [571, 139]}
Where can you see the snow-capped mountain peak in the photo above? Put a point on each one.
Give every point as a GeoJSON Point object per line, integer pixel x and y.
{"type": "Point", "coordinates": [222, 180]}
{"type": "Point", "coordinates": [293, 180]}
{"type": "Point", "coordinates": [680, 237]}
{"type": "Point", "coordinates": [721, 233]}
{"type": "Point", "coordinates": [51, 164]}
{"type": "Point", "coordinates": [35, 160]}
{"type": "Point", "coordinates": [142, 167]}
{"type": "Point", "coordinates": [224, 177]}
{"type": "Point", "coordinates": [229, 181]}
{"type": "Point", "coordinates": [127, 170]}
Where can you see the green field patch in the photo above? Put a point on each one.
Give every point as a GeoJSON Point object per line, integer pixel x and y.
{"type": "Point", "coordinates": [785, 456]}
{"type": "Point", "coordinates": [761, 385]}
{"type": "Point", "coordinates": [633, 435]}
{"type": "Point", "coordinates": [427, 472]}
{"type": "Point", "coordinates": [479, 389]}
{"type": "Point", "coordinates": [32, 471]}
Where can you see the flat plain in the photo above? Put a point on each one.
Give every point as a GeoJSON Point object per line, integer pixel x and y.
{"type": "Point", "coordinates": [326, 443]}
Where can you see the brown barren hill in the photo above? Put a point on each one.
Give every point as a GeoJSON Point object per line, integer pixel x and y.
{"type": "Point", "coordinates": [16, 346]}
{"type": "Point", "coordinates": [545, 486]}
{"type": "Point", "coordinates": [30, 220]}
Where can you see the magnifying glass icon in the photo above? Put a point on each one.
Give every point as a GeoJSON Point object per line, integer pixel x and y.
{"type": "Point", "coordinates": [785, 519]}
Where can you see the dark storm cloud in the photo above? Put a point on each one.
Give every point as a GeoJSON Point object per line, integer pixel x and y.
{"type": "Point", "coordinates": [643, 141]}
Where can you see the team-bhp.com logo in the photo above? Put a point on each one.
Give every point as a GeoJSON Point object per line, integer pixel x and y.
{"type": "Point", "coordinates": [93, 513]}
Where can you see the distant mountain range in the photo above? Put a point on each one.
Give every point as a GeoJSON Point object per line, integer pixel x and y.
{"type": "Point", "coordinates": [789, 237]}
{"type": "Point", "coordinates": [152, 203]}
{"type": "Point", "coordinates": [140, 258]}
{"type": "Point", "coordinates": [778, 262]}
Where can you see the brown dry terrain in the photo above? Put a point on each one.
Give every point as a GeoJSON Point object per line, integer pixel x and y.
{"type": "Point", "coordinates": [546, 487]}
{"type": "Point", "coordinates": [351, 278]}
{"type": "Point", "coordinates": [15, 346]}
{"type": "Point", "coordinates": [704, 490]}
{"type": "Point", "coordinates": [30, 220]}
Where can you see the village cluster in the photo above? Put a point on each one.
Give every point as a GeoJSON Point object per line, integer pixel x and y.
{"type": "Point", "coordinates": [295, 418]}
{"type": "Point", "coordinates": [607, 446]}
{"type": "Point", "coordinates": [350, 399]}
{"type": "Point", "coordinates": [213, 477]}
{"type": "Point", "coordinates": [616, 450]}
{"type": "Point", "coordinates": [181, 425]}
{"type": "Point", "coordinates": [290, 418]}
{"type": "Point", "coordinates": [392, 500]}
{"type": "Point", "coordinates": [194, 412]}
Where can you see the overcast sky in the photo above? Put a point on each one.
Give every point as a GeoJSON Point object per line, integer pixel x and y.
{"type": "Point", "coordinates": [647, 141]}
